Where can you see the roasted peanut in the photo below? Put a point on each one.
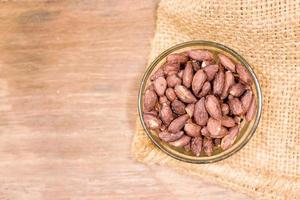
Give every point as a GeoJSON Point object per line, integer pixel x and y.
{"type": "Point", "coordinates": [177, 58]}
{"type": "Point", "coordinates": [178, 107]}
{"type": "Point", "coordinates": [173, 80]}
{"type": "Point", "coordinates": [213, 107]}
{"type": "Point", "coordinates": [150, 100]}
{"type": "Point", "coordinates": [205, 89]}
{"type": "Point", "coordinates": [251, 111]}
{"type": "Point", "coordinates": [246, 99]}
{"type": "Point", "coordinates": [170, 137]}
{"type": "Point", "coordinates": [152, 112]}
{"type": "Point", "coordinates": [200, 55]}
{"type": "Point", "coordinates": [171, 68]}
{"type": "Point", "coordinates": [187, 75]}
{"type": "Point", "coordinates": [211, 71]}
{"type": "Point", "coordinates": [178, 123]}
{"type": "Point", "coordinates": [225, 109]}
{"type": "Point", "coordinates": [237, 89]}
{"type": "Point", "coordinates": [198, 81]}
{"type": "Point", "coordinates": [184, 140]}
{"type": "Point", "coordinates": [243, 74]}
{"type": "Point", "coordinates": [196, 145]}
{"type": "Point", "coordinates": [184, 94]}
{"type": "Point", "coordinates": [228, 82]}
{"type": "Point", "coordinates": [160, 85]}
{"type": "Point", "coordinates": [166, 114]}
{"type": "Point", "coordinates": [214, 128]}
{"type": "Point", "coordinates": [151, 121]}
{"type": "Point", "coordinates": [226, 62]}
{"type": "Point", "coordinates": [218, 83]}
{"type": "Point", "coordinates": [158, 73]}
{"type": "Point", "coordinates": [229, 139]}
{"type": "Point", "coordinates": [208, 146]}
{"type": "Point", "coordinates": [170, 94]}
{"type": "Point", "coordinates": [236, 107]}
{"type": "Point", "coordinates": [200, 113]}
{"type": "Point", "coordinates": [228, 121]}
{"type": "Point", "coordinates": [192, 129]}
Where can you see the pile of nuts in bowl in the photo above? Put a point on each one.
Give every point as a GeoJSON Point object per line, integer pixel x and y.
{"type": "Point", "coordinates": [196, 100]}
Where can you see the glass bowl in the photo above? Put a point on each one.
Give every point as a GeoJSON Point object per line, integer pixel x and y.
{"type": "Point", "coordinates": [247, 128]}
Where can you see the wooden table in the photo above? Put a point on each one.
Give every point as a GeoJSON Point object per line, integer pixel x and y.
{"type": "Point", "coordinates": [69, 75]}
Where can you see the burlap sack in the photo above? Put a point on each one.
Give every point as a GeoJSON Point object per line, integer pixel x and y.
{"type": "Point", "coordinates": [267, 34]}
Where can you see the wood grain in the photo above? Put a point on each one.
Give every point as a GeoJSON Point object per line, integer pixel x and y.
{"type": "Point", "coordinates": [69, 75]}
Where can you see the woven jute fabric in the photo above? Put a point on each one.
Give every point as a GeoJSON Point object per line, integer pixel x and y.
{"type": "Point", "coordinates": [267, 35]}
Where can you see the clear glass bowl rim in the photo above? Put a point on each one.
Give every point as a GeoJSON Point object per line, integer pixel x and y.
{"type": "Point", "coordinates": [185, 45]}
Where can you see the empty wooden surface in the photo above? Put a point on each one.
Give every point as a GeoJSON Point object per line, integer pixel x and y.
{"type": "Point", "coordinates": [69, 75]}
